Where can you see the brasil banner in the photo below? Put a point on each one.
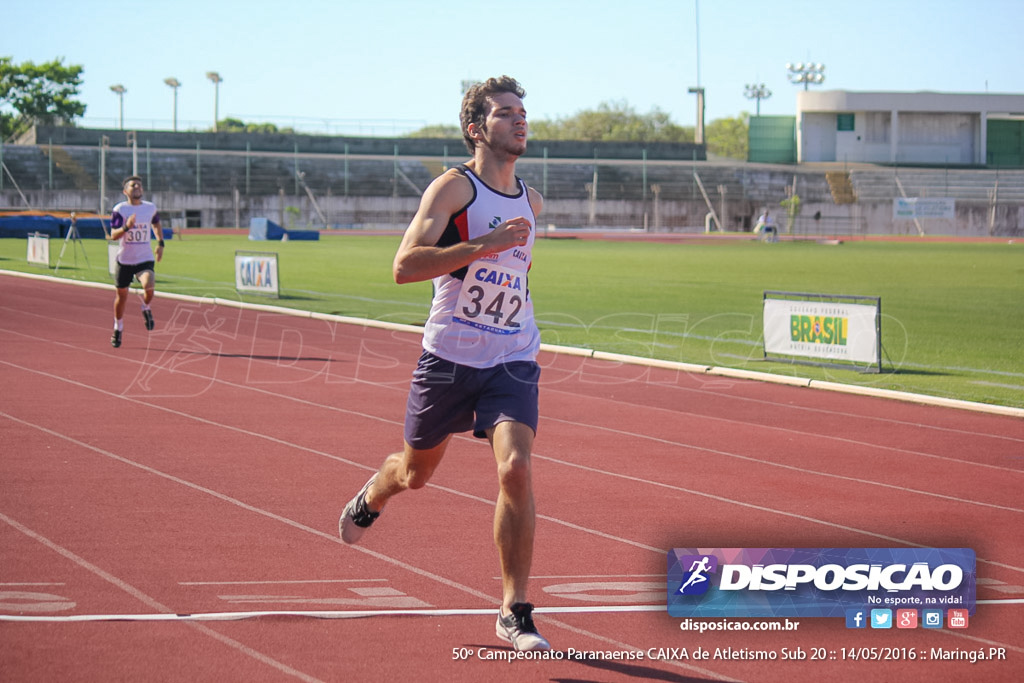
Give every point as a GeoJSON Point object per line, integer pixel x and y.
{"type": "Point", "coordinates": [811, 327]}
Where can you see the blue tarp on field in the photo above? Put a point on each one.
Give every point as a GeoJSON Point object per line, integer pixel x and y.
{"type": "Point", "coordinates": [57, 228]}
{"type": "Point", "coordinates": [266, 229]}
{"type": "Point", "coordinates": [22, 226]}
{"type": "Point", "coordinates": [310, 235]}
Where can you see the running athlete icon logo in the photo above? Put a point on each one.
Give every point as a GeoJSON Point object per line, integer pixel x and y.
{"type": "Point", "coordinates": [816, 582]}
{"type": "Point", "coordinates": [695, 581]}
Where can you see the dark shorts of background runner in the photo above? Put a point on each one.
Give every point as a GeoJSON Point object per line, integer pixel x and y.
{"type": "Point", "coordinates": [125, 273]}
{"type": "Point", "coordinates": [446, 398]}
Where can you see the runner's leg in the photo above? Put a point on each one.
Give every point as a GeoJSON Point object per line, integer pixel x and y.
{"type": "Point", "coordinates": [514, 514]}
{"type": "Point", "coordinates": [410, 469]}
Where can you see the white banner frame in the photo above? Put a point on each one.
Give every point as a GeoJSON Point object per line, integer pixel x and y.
{"type": "Point", "coordinates": [256, 272]}
{"type": "Point", "coordinates": [38, 251]}
{"type": "Point", "coordinates": [838, 330]}
{"type": "Point", "coordinates": [113, 246]}
{"type": "Point", "coordinates": [916, 208]}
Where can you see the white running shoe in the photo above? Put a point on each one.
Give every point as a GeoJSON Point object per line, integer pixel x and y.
{"type": "Point", "coordinates": [518, 629]}
{"type": "Point", "coordinates": [356, 518]}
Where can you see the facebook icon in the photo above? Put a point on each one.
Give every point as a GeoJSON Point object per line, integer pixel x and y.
{"type": "Point", "coordinates": [856, 618]}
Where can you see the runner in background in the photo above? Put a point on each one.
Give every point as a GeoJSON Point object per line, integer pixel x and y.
{"type": "Point", "coordinates": [133, 224]}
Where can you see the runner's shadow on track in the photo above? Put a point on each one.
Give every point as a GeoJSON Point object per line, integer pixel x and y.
{"type": "Point", "coordinates": [279, 359]}
{"type": "Point", "coordinates": [249, 356]}
{"type": "Point", "coordinates": [635, 670]}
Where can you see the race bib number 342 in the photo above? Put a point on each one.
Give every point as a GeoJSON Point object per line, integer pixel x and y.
{"type": "Point", "coordinates": [491, 299]}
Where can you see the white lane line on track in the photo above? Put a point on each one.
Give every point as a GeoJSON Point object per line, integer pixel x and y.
{"type": "Point", "coordinates": [830, 414]}
{"type": "Point", "coordinates": [302, 527]}
{"type": "Point", "coordinates": [275, 440]}
{"type": "Point", "coordinates": [672, 412]}
{"type": "Point", "coordinates": [391, 421]}
{"type": "Point", "coordinates": [290, 314]}
{"type": "Point", "coordinates": [328, 614]}
{"type": "Point", "coordinates": [655, 439]}
{"type": "Point", "coordinates": [28, 584]}
{"type": "Point", "coordinates": [228, 289]}
{"type": "Point", "coordinates": [151, 602]}
{"type": "Point", "coordinates": [674, 443]}
{"type": "Point", "coordinates": [792, 468]}
{"type": "Point", "coordinates": [921, 399]}
{"type": "Point", "coordinates": [365, 614]}
{"type": "Point", "coordinates": [362, 614]}
{"type": "Point", "coordinates": [284, 312]}
{"type": "Point", "coordinates": [275, 583]}
{"type": "Point", "coordinates": [613, 380]}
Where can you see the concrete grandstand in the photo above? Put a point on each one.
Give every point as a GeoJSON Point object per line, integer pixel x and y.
{"type": "Point", "coordinates": [204, 180]}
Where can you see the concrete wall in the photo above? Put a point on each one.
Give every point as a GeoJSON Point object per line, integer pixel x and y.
{"type": "Point", "coordinates": [322, 144]}
{"type": "Point", "coordinates": [973, 218]}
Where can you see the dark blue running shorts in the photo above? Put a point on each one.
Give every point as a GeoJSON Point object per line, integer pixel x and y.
{"type": "Point", "coordinates": [446, 398]}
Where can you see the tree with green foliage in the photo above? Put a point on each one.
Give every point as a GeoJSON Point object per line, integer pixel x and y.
{"type": "Point", "coordinates": [619, 122]}
{"type": "Point", "coordinates": [728, 137]}
{"type": "Point", "coordinates": [437, 130]}
{"type": "Point", "coordinates": [792, 206]}
{"type": "Point", "coordinates": [231, 125]}
{"type": "Point", "coordinates": [612, 122]}
{"type": "Point", "coordinates": [38, 93]}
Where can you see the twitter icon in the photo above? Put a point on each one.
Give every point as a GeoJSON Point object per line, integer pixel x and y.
{"type": "Point", "coordinates": [881, 618]}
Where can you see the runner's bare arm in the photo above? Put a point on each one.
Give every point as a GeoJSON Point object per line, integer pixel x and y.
{"type": "Point", "coordinates": [536, 201]}
{"type": "Point", "coordinates": [158, 233]}
{"type": "Point", "coordinates": [419, 258]}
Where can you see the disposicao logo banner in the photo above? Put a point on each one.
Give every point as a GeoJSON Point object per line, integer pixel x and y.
{"type": "Point", "coordinates": [817, 582]}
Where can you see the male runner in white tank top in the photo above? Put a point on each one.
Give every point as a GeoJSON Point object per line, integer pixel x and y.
{"type": "Point", "coordinates": [133, 223]}
{"type": "Point", "coordinates": [473, 236]}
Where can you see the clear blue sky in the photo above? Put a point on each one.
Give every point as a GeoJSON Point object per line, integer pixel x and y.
{"type": "Point", "coordinates": [338, 63]}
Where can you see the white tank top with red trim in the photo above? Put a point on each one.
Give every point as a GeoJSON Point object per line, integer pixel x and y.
{"type": "Point", "coordinates": [482, 315]}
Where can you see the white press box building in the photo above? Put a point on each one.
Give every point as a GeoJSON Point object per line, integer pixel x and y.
{"type": "Point", "coordinates": [927, 128]}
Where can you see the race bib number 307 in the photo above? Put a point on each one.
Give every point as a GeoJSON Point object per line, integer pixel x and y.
{"type": "Point", "coordinates": [137, 234]}
{"type": "Point", "coordinates": [491, 299]}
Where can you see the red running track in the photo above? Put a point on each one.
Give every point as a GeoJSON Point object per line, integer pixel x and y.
{"type": "Point", "coordinates": [199, 470]}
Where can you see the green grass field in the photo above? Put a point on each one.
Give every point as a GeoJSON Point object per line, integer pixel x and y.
{"type": "Point", "coordinates": [952, 313]}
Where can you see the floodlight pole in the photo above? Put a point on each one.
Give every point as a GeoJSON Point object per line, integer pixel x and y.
{"type": "Point", "coordinates": [809, 73]}
{"type": "Point", "coordinates": [699, 133]}
{"type": "Point", "coordinates": [174, 83]}
{"type": "Point", "coordinates": [104, 145]}
{"type": "Point", "coordinates": [120, 90]}
{"type": "Point", "coordinates": [215, 77]}
{"type": "Point", "coordinates": [757, 91]}
{"type": "Point", "coordinates": [698, 90]}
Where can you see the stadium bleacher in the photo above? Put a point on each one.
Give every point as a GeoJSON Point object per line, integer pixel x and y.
{"type": "Point", "coordinates": [68, 177]}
